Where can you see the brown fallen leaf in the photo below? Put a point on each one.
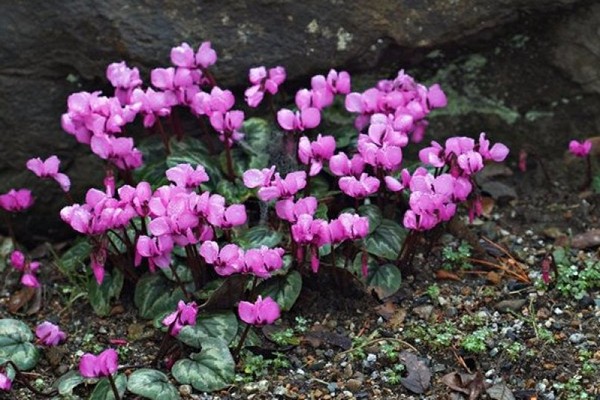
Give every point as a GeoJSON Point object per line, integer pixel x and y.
{"type": "Point", "coordinates": [487, 206]}
{"type": "Point", "coordinates": [318, 336]}
{"type": "Point", "coordinates": [20, 299]}
{"type": "Point", "coordinates": [443, 274]}
{"type": "Point", "coordinates": [418, 379]}
{"type": "Point", "coordinates": [500, 392]}
{"type": "Point", "coordinates": [386, 310]}
{"type": "Point", "coordinates": [493, 277]}
{"type": "Point", "coordinates": [470, 384]}
{"type": "Point", "coordinates": [587, 239]}
{"type": "Point", "coordinates": [398, 318]}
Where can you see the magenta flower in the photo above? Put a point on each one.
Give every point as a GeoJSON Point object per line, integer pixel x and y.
{"type": "Point", "coordinates": [306, 118]}
{"type": "Point", "coordinates": [184, 175]}
{"type": "Point", "coordinates": [263, 82]}
{"type": "Point", "coordinates": [49, 169]}
{"type": "Point", "coordinates": [314, 153]}
{"type": "Point", "coordinates": [263, 261]}
{"type": "Point", "coordinates": [341, 165]}
{"type": "Point", "coordinates": [29, 268]}
{"type": "Point", "coordinates": [156, 249]}
{"type": "Point", "coordinates": [16, 200]}
{"type": "Point", "coordinates": [104, 364]}
{"type": "Point", "coordinates": [348, 227]}
{"type": "Point", "coordinates": [124, 80]}
{"type": "Point", "coordinates": [49, 334]}
{"type": "Point", "coordinates": [206, 55]}
{"type": "Point", "coordinates": [228, 125]}
{"type": "Point", "coordinates": [229, 260]}
{"type": "Point", "coordinates": [271, 185]}
{"type": "Point", "coordinates": [261, 312]}
{"type": "Point", "coordinates": [364, 186]}
{"type": "Point", "coordinates": [184, 315]}
{"type": "Point", "coordinates": [120, 151]}
{"type": "Point", "coordinates": [5, 382]}
{"type": "Point", "coordinates": [288, 210]}
{"type": "Point", "coordinates": [580, 149]}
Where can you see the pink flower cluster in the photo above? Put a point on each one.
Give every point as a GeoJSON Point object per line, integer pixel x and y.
{"type": "Point", "coordinates": [314, 153]}
{"type": "Point", "coordinates": [16, 200]}
{"type": "Point", "coordinates": [49, 169]}
{"type": "Point", "coordinates": [5, 381]}
{"type": "Point", "coordinates": [28, 268]}
{"type": "Point", "coordinates": [262, 82]}
{"type": "Point", "coordinates": [311, 102]}
{"type": "Point", "coordinates": [184, 315]}
{"type": "Point", "coordinates": [231, 259]}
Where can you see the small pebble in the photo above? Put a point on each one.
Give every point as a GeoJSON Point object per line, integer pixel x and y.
{"type": "Point", "coordinates": [558, 311]}
{"type": "Point", "coordinates": [353, 385]}
{"type": "Point", "coordinates": [577, 338]}
{"type": "Point", "coordinates": [185, 390]}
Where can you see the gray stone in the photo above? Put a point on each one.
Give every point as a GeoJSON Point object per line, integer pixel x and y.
{"type": "Point", "coordinates": [577, 338]}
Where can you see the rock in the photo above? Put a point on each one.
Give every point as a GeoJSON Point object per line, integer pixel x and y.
{"type": "Point", "coordinates": [577, 338]}
{"type": "Point", "coordinates": [578, 47]}
{"type": "Point", "coordinates": [424, 312]}
{"type": "Point", "coordinates": [512, 305]}
{"type": "Point", "coordinates": [53, 48]}
{"type": "Point", "coordinates": [353, 385]}
{"type": "Point", "coordinates": [499, 191]}
{"type": "Point", "coordinates": [185, 390]}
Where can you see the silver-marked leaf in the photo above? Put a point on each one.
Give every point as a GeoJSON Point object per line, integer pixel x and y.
{"type": "Point", "coordinates": [182, 271]}
{"type": "Point", "coordinates": [67, 382]}
{"type": "Point", "coordinates": [221, 325]}
{"type": "Point", "coordinates": [103, 390]}
{"type": "Point", "coordinates": [155, 296]}
{"type": "Point", "coordinates": [152, 384]}
{"type": "Point", "coordinates": [192, 151]}
{"type": "Point", "coordinates": [15, 344]}
{"type": "Point", "coordinates": [75, 256]}
{"type": "Point", "coordinates": [384, 279]}
{"type": "Point", "coordinates": [211, 369]}
{"type": "Point", "coordinates": [257, 139]}
{"type": "Point", "coordinates": [257, 236]}
{"type": "Point", "coordinates": [283, 289]}
{"type": "Point", "coordinates": [101, 295]}
{"type": "Point", "coordinates": [6, 247]}
{"type": "Point", "coordinates": [373, 213]}
{"type": "Point", "coordinates": [386, 240]}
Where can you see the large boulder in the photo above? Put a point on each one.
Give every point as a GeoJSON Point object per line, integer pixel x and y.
{"type": "Point", "coordinates": [50, 49]}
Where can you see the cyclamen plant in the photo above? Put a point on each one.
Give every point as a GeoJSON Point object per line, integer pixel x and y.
{"type": "Point", "coordinates": [221, 223]}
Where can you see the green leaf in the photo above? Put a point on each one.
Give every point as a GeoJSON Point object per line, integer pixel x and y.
{"type": "Point", "coordinates": [239, 159]}
{"type": "Point", "coordinates": [76, 255]}
{"type": "Point", "coordinates": [211, 369]}
{"type": "Point", "coordinates": [384, 279]}
{"type": "Point", "coordinates": [258, 236]}
{"type": "Point", "coordinates": [6, 247]}
{"type": "Point", "coordinates": [67, 382]}
{"type": "Point", "coordinates": [283, 289]}
{"type": "Point", "coordinates": [101, 295]}
{"type": "Point", "coordinates": [152, 384]}
{"type": "Point", "coordinates": [15, 338]}
{"type": "Point", "coordinates": [221, 325]}
{"type": "Point", "coordinates": [103, 390]}
{"type": "Point", "coordinates": [156, 296]}
{"type": "Point", "coordinates": [372, 212]}
{"type": "Point", "coordinates": [182, 270]}
{"type": "Point", "coordinates": [234, 192]}
{"type": "Point", "coordinates": [257, 140]}
{"type": "Point", "coordinates": [319, 187]}
{"type": "Point", "coordinates": [386, 240]}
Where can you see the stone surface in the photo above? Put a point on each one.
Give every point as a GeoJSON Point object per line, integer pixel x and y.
{"type": "Point", "coordinates": [50, 49]}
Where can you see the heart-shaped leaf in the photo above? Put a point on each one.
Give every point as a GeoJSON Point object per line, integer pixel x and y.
{"type": "Point", "coordinates": [15, 344]}
{"type": "Point", "coordinates": [192, 151]}
{"type": "Point", "coordinates": [221, 325]}
{"type": "Point", "coordinates": [67, 382]}
{"type": "Point", "coordinates": [156, 296]}
{"type": "Point", "coordinates": [384, 279]}
{"type": "Point", "coordinates": [234, 192]}
{"type": "Point", "coordinates": [386, 240]}
{"type": "Point", "coordinates": [76, 256]}
{"type": "Point", "coordinates": [103, 390]}
{"type": "Point", "coordinates": [152, 384]}
{"type": "Point", "coordinates": [211, 369]}
{"type": "Point", "coordinates": [257, 139]}
{"type": "Point", "coordinates": [373, 213]}
{"type": "Point", "coordinates": [6, 247]}
{"type": "Point", "coordinates": [182, 271]}
{"type": "Point", "coordinates": [101, 295]}
{"type": "Point", "coordinates": [257, 236]}
{"type": "Point", "coordinates": [283, 289]}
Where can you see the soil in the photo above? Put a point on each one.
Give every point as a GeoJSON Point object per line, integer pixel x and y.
{"type": "Point", "coordinates": [538, 342]}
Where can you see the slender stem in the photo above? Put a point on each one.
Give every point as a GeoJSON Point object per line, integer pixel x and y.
{"type": "Point", "coordinates": [230, 171]}
{"type": "Point", "coordinates": [164, 137]}
{"type": "Point", "coordinates": [165, 343]}
{"type": "Point", "coordinates": [114, 387]}
{"type": "Point", "coordinates": [588, 171]}
{"type": "Point", "coordinates": [179, 282]}
{"type": "Point", "coordinates": [236, 352]}
{"type": "Point", "coordinates": [307, 187]}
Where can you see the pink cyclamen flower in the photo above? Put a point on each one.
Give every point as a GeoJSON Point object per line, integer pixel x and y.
{"type": "Point", "coordinates": [206, 55]}
{"type": "Point", "coordinates": [49, 169]}
{"type": "Point", "coordinates": [104, 364]}
{"type": "Point", "coordinates": [229, 260]}
{"type": "Point", "coordinates": [314, 153]}
{"type": "Point", "coordinates": [364, 186]}
{"type": "Point", "coordinates": [5, 382]}
{"type": "Point", "coordinates": [261, 312]}
{"type": "Point", "coordinates": [580, 149]}
{"type": "Point", "coordinates": [20, 263]}
{"type": "Point", "coordinates": [49, 334]}
{"type": "Point", "coordinates": [184, 315]}
{"type": "Point", "coordinates": [184, 175]}
{"type": "Point", "coordinates": [262, 261]}
{"type": "Point", "coordinates": [307, 118]}
{"type": "Point", "coordinates": [16, 200]}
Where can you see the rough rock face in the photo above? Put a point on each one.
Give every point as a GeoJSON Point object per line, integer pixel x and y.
{"type": "Point", "coordinates": [578, 50]}
{"type": "Point", "coordinates": [52, 48]}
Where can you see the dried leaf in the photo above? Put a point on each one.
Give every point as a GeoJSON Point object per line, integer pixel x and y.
{"type": "Point", "coordinates": [493, 277]}
{"type": "Point", "coordinates": [443, 274]}
{"type": "Point", "coordinates": [36, 303]}
{"type": "Point", "coordinates": [397, 320]}
{"type": "Point", "coordinates": [469, 384]}
{"type": "Point", "coordinates": [226, 295]}
{"type": "Point", "coordinates": [587, 239]}
{"type": "Point", "coordinates": [418, 379]}
{"type": "Point", "coordinates": [20, 298]}
{"type": "Point", "coordinates": [500, 392]}
{"type": "Point", "coordinates": [487, 206]}
{"type": "Point", "coordinates": [317, 337]}
{"type": "Point", "coordinates": [386, 310]}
